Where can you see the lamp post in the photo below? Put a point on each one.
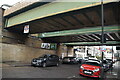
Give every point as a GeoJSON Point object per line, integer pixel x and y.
{"type": "Point", "coordinates": [102, 35]}
{"type": "Point", "coordinates": [102, 21]}
{"type": "Point", "coordinates": [2, 8]}
{"type": "Point", "coordinates": [5, 5]}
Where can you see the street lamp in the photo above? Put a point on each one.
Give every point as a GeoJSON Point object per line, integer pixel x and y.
{"type": "Point", "coordinates": [102, 21]}
{"type": "Point", "coordinates": [102, 35]}
{"type": "Point", "coordinates": [5, 5]}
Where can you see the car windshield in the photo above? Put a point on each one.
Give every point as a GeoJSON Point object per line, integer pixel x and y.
{"type": "Point", "coordinates": [86, 57]}
{"type": "Point", "coordinates": [43, 56]}
{"type": "Point", "coordinates": [92, 63]}
{"type": "Point", "coordinates": [105, 62]}
{"type": "Point", "coordinates": [109, 59]}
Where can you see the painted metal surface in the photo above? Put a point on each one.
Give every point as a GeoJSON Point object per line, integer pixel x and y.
{"type": "Point", "coordinates": [48, 10]}
{"type": "Point", "coordinates": [80, 31]}
{"type": "Point", "coordinates": [92, 43]}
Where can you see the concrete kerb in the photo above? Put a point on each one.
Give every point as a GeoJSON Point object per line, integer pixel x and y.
{"type": "Point", "coordinates": [3, 65]}
{"type": "Point", "coordinates": [15, 64]}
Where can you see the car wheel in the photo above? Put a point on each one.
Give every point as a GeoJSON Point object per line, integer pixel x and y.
{"type": "Point", "coordinates": [44, 65]}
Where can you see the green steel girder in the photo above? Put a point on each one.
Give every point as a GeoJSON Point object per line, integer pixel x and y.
{"type": "Point", "coordinates": [92, 43]}
{"type": "Point", "coordinates": [81, 31]}
{"type": "Point", "coordinates": [47, 10]}
{"type": "Point", "coordinates": [34, 5]}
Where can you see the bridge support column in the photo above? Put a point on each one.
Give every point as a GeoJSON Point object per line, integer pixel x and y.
{"type": "Point", "coordinates": [1, 24]}
{"type": "Point", "coordinates": [70, 51]}
{"type": "Point", "coordinates": [61, 50]}
{"type": "Point", "coordinates": [64, 51]}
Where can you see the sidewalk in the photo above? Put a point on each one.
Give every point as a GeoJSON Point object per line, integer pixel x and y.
{"type": "Point", "coordinates": [14, 64]}
{"type": "Point", "coordinates": [4, 65]}
{"type": "Point", "coordinates": [114, 72]}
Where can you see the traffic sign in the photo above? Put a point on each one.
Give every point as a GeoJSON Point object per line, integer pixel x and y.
{"type": "Point", "coordinates": [26, 29]}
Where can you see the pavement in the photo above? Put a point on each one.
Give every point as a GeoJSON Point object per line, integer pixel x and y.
{"type": "Point", "coordinates": [114, 72]}
{"type": "Point", "coordinates": [4, 65]}
{"type": "Point", "coordinates": [14, 64]}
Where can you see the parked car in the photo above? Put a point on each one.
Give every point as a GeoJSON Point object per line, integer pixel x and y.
{"type": "Point", "coordinates": [81, 60]}
{"type": "Point", "coordinates": [95, 60]}
{"type": "Point", "coordinates": [106, 65]}
{"type": "Point", "coordinates": [110, 61]}
{"type": "Point", "coordinates": [46, 60]}
{"type": "Point", "coordinates": [86, 58]}
{"type": "Point", "coordinates": [70, 60]}
{"type": "Point", "coordinates": [91, 68]}
{"type": "Point", "coordinates": [92, 57]}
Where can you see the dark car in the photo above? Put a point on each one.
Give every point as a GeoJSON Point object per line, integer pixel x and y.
{"type": "Point", "coordinates": [71, 60]}
{"type": "Point", "coordinates": [110, 61]}
{"type": "Point", "coordinates": [46, 60]}
{"type": "Point", "coordinates": [106, 65]}
{"type": "Point", "coordinates": [81, 60]}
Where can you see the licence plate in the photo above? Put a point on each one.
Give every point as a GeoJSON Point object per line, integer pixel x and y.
{"type": "Point", "coordinates": [87, 72]}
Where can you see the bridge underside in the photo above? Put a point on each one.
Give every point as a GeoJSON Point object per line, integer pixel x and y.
{"type": "Point", "coordinates": [112, 36]}
{"type": "Point", "coordinates": [86, 39]}
{"type": "Point", "coordinates": [76, 19]}
{"type": "Point", "coordinates": [87, 20]}
{"type": "Point", "coordinates": [90, 36]}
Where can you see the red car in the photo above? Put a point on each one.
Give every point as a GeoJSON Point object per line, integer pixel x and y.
{"type": "Point", "coordinates": [90, 69]}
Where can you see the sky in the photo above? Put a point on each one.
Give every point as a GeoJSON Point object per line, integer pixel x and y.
{"type": "Point", "coordinates": [10, 2]}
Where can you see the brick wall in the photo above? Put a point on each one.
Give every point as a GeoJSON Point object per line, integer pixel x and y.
{"type": "Point", "coordinates": [22, 53]}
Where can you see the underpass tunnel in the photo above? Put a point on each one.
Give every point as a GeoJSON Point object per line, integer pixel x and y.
{"type": "Point", "coordinates": [77, 26]}
{"type": "Point", "coordinates": [75, 32]}
{"type": "Point", "coordinates": [75, 18]}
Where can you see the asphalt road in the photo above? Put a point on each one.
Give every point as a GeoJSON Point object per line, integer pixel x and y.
{"type": "Point", "coordinates": [63, 71]}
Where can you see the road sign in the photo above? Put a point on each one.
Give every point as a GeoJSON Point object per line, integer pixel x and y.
{"type": "Point", "coordinates": [26, 29]}
{"type": "Point", "coordinates": [48, 46]}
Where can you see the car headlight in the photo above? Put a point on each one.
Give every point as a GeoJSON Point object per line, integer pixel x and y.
{"type": "Point", "coordinates": [44, 59]}
{"type": "Point", "coordinates": [81, 67]}
{"type": "Point", "coordinates": [104, 65]}
{"type": "Point", "coordinates": [96, 70]}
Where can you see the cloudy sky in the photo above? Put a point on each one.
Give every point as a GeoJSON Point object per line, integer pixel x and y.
{"type": "Point", "coordinates": [10, 2]}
